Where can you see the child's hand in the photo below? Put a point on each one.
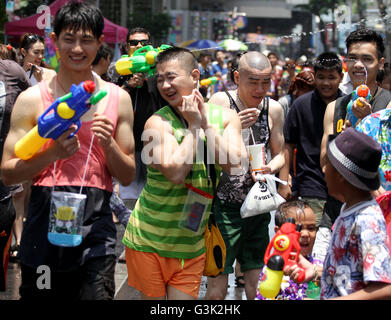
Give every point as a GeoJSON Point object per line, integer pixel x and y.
{"type": "Point", "coordinates": [294, 271]}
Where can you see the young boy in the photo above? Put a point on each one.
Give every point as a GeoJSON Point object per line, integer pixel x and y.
{"type": "Point", "coordinates": [303, 129]}
{"type": "Point", "coordinates": [357, 264]}
{"type": "Point", "coordinates": [85, 271]}
{"type": "Point", "coordinates": [303, 215]}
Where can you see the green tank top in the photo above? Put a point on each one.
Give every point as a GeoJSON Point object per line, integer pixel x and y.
{"type": "Point", "coordinates": [154, 223]}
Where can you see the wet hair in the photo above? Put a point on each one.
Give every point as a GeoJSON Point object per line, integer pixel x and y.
{"type": "Point", "coordinates": [281, 214]}
{"type": "Point", "coordinates": [103, 52]}
{"type": "Point", "coordinates": [28, 39]}
{"type": "Point", "coordinates": [366, 35]}
{"type": "Point", "coordinates": [74, 16]}
{"type": "Point", "coordinates": [183, 55]}
{"type": "Point", "coordinates": [8, 52]}
{"type": "Point", "coordinates": [138, 30]}
{"type": "Point", "coordinates": [328, 61]}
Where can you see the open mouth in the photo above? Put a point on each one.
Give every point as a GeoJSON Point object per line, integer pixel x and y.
{"type": "Point", "coordinates": [77, 59]}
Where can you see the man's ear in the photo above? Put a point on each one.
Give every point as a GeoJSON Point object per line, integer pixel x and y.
{"type": "Point", "coordinates": [196, 75]}
{"type": "Point", "coordinates": [236, 76]}
{"type": "Point", "coordinates": [101, 39]}
{"type": "Point", "coordinates": [381, 63]}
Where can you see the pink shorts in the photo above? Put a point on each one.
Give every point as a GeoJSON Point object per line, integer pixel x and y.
{"type": "Point", "coordinates": [151, 274]}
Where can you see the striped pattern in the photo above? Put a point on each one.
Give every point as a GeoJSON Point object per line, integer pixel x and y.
{"type": "Point", "coordinates": [153, 225]}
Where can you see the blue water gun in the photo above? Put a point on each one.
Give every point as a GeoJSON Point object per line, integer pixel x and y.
{"type": "Point", "coordinates": [361, 91]}
{"type": "Point", "coordinates": [64, 112]}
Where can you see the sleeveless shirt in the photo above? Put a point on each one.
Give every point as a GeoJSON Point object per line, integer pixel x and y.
{"type": "Point", "coordinates": [154, 223]}
{"type": "Point", "coordinates": [69, 171]}
{"type": "Point", "coordinates": [379, 102]}
{"type": "Point", "coordinates": [234, 188]}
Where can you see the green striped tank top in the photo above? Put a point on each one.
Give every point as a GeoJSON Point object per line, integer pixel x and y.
{"type": "Point", "coordinates": [154, 223]}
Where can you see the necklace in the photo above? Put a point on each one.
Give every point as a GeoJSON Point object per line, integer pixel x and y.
{"type": "Point", "coordinates": [245, 107]}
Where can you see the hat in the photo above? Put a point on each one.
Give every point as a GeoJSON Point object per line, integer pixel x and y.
{"type": "Point", "coordinates": [356, 157]}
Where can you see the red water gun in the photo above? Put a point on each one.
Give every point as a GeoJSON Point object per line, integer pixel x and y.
{"type": "Point", "coordinates": [285, 243]}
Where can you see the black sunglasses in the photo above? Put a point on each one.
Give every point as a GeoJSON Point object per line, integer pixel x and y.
{"type": "Point", "coordinates": [136, 42]}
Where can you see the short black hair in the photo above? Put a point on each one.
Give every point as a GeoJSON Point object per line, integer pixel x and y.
{"type": "Point", "coordinates": [328, 61]}
{"type": "Point", "coordinates": [103, 52]}
{"type": "Point", "coordinates": [138, 30]}
{"type": "Point", "coordinates": [366, 35]}
{"type": "Point", "coordinates": [281, 214]}
{"type": "Point", "coordinates": [28, 39]}
{"type": "Point", "coordinates": [79, 15]}
{"type": "Point", "coordinates": [185, 56]}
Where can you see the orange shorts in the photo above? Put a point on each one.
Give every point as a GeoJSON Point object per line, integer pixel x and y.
{"type": "Point", "coordinates": [150, 273]}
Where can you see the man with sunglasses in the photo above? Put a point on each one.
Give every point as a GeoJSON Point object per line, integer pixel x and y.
{"type": "Point", "coordinates": [146, 100]}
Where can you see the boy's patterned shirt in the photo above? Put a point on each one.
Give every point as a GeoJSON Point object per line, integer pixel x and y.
{"type": "Point", "coordinates": [358, 252]}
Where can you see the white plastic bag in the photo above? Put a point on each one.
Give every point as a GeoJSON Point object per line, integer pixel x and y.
{"type": "Point", "coordinates": [262, 198]}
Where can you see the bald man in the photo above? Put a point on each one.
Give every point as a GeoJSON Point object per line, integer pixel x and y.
{"type": "Point", "coordinates": [262, 122]}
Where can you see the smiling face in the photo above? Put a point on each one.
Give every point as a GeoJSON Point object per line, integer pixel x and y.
{"type": "Point", "coordinates": [363, 63]}
{"type": "Point", "coordinates": [77, 49]}
{"type": "Point", "coordinates": [253, 85]}
{"type": "Point", "coordinates": [307, 220]}
{"type": "Point", "coordinates": [327, 82]}
{"type": "Point", "coordinates": [174, 81]}
{"type": "Point", "coordinates": [34, 54]}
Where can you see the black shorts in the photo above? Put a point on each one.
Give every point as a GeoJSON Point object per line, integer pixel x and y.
{"type": "Point", "coordinates": [7, 217]}
{"type": "Point", "coordinates": [94, 280]}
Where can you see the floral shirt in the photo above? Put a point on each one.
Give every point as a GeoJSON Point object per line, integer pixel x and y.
{"type": "Point", "coordinates": [377, 125]}
{"type": "Point", "coordinates": [358, 251]}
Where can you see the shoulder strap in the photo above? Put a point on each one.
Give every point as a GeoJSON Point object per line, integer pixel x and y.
{"type": "Point", "coordinates": [232, 102]}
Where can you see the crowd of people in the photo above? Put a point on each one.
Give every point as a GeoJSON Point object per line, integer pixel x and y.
{"type": "Point", "coordinates": [160, 153]}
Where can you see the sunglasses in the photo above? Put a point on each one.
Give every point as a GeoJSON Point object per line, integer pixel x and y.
{"type": "Point", "coordinates": [134, 43]}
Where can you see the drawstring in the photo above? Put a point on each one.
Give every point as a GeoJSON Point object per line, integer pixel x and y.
{"type": "Point", "coordinates": [88, 159]}
{"type": "Point", "coordinates": [182, 261]}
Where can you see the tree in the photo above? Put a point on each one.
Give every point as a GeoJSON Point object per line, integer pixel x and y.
{"type": "Point", "coordinates": [29, 8]}
{"type": "Point", "coordinates": [157, 24]}
{"type": "Point", "coordinates": [318, 8]}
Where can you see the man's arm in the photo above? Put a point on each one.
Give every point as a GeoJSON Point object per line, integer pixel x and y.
{"type": "Point", "coordinates": [24, 116]}
{"type": "Point", "coordinates": [229, 149]}
{"type": "Point", "coordinates": [118, 148]}
{"type": "Point", "coordinates": [286, 190]}
{"type": "Point", "coordinates": [161, 149]}
{"type": "Point", "coordinates": [276, 138]}
{"type": "Point", "coordinates": [328, 128]}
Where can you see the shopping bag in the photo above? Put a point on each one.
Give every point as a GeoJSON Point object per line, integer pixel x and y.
{"type": "Point", "coordinates": [262, 198]}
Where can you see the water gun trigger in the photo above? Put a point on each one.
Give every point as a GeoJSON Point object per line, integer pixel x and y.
{"type": "Point", "coordinates": [78, 125]}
